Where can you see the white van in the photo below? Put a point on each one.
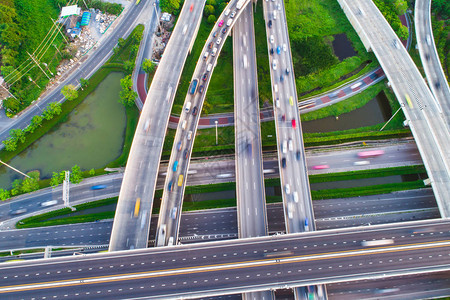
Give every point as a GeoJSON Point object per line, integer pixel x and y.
{"type": "Point", "coordinates": [49, 203]}
{"type": "Point", "coordinates": [277, 102]}
{"type": "Point", "coordinates": [284, 147]}
{"type": "Point", "coordinates": [189, 136]}
{"type": "Point", "coordinates": [229, 22]}
{"type": "Point", "coordinates": [295, 195]}
{"type": "Point", "coordinates": [209, 68]}
{"type": "Point", "coordinates": [245, 61]}
{"type": "Point", "coordinates": [214, 51]}
{"type": "Point", "coordinates": [187, 107]}
{"type": "Point", "coordinates": [275, 87]}
{"type": "Point", "coordinates": [183, 125]}
{"type": "Point", "coordinates": [227, 12]}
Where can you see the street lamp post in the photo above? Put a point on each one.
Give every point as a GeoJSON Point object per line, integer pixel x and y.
{"type": "Point", "coordinates": [217, 141]}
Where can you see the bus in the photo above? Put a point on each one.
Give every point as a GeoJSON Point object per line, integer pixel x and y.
{"type": "Point", "coordinates": [240, 3]}
{"type": "Point", "coordinates": [408, 100]}
{"type": "Point", "coordinates": [137, 207]}
{"type": "Point", "coordinates": [377, 243]}
{"type": "Point", "coordinates": [137, 2]}
{"type": "Point", "coordinates": [370, 153]}
{"type": "Point", "coordinates": [180, 180]}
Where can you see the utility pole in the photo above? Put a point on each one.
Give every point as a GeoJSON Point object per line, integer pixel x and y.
{"type": "Point", "coordinates": [217, 138]}
{"type": "Point", "coordinates": [33, 81]}
{"type": "Point", "coordinates": [7, 90]}
{"type": "Point", "coordinates": [37, 63]}
{"type": "Point", "coordinates": [59, 29]}
{"type": "Point", "coordinates": [391, 117]}
{"type": "Point", "coordinates": [12, 168]}
{"type": "Point", "coordinates": [66, 184]}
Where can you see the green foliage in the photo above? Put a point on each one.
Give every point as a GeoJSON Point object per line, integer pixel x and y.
{"type": "Point", "coordinates": [121, 43]}
{"type": "Point", "coordinates": [148, 66]}
{"type": "Point", "coordinates": [76, 175]}
{"type": "Point", "coordinates": [442, 8]}
{"type": "Point", "coordinates": [55, 180]}
{"type": "Point", "coordinates": [400, 6]}
{"type": "Point", "coordinates": [212, 19]}
{"type": "Point", "coordinates": [313, 55]}
{"type": "Point", "coordinates": [10, 144]}
{"type": "Point", "coordinates": [16, 187]}
{"type": "Point", "coordinates": [129, 66]}
{"type": "Point", "coordinates": [4, 194]}
{"type": "Point", "coordinates": [389, 11]}
{"type": "Point", "coordinates": [29, 185]}
{"type": "Point", "coordinates": [69, 92]}
{"type": "Point", "coordinates": [92, 172]}
{"type": "Point", "coordinates": [17, 134]}
{"type": "Point", "coordinates": [127, 95]}
{"type": "Point", "coordinates": [84, 82]}
{"type": "Point", "coordinates": [209, 10]}
{"type": "Point", "coordinates": [170, 6]}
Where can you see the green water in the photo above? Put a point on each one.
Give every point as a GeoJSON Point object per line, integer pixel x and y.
{"type": "Point", "coordinates": [91, 137]}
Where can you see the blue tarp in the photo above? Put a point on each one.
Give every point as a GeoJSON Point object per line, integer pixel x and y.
{"type": "Point", "coordinates": [85, 18]}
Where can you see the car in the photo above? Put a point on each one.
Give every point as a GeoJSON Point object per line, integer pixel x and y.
{"type": "Point", "coordinates": [173, 213]}
{"type": "Point", "coordinates": [229, 22]}
{"type": "Point", "coordinates": [185, 153]}
{"type": "Point", "coordinates": [233, 14]}
{"type": "Point", "coordinates": [437, 84]}
{"type": "Point", "coordinates": [283, 117]}
{"type": "Point", "coordinates": [395, 44]}
{"type": "Point", "coordinates": [271, 39]}
{"type": "Point", "coordinates": [201, 88]}
{"type": "Point", "coordinates": [205, 56]}
{"type": "Point", "coordinates": [427, 56]}
{"type": "Point", "coordinates": [283, 162]}
{"type": "Point", "coordinates": [306, 224]}
{"type": "Point", "coordinates": [98, 187]}
{"type": "Point", "coordinates": [183, 124]}
{"type": "Point", "coordinates": [170, 186]}
{"type": "Point", "coordinates": [211, 44]}
{"type": "Point", "coordinates": [49, 203]}
{"type": "Point", "coordinates": [295, 197]}
{"type": "Point", "coordinates": [205, 76]}
{"type": "Point", "coordinates": [189, 136]}
{"type": "Point", "coordinates": [214, 51]}
{"type": "Point", "coordinates": [175, 166]}
{"type": "Point", "coordinates": [274, 14]}
{"type": "Point", "coordinates": [278, 50]}
{"type": "Point", "coordinates": [287, 188]}
{"type": "Point", "coordinates": [244, 61]}
{"type": "Point", "coordinates": [271, 51]}
{"type": "Point", "coordinates": [185, 29]}
{"type": "Point", "coordinates": [293, 123]}
{"type": "Point", "coordinates": [279, 6]}
{"type": "Point", "coordinates": [297, 155]}
{"type": "Point", "coordinates": [191, 8]}
{"type": "Point", "coordinates": [209, 68]}
{"type": "Point", "coordinates": [179, 146]}
{"type": "Point", "coordinates": [290, 210]}
{"type": "Point", "coordinates": [249, 149]}
{"type": "Point", "coordinates": [287, 71]}
{"type": "Point", "coordinates": [284, 47]}
{"type": "Point", "coordinates": [219, 39]}
{"type": "Point", "coordinates": [275, 88]}
{"type": "Point", "coordinates": [215, 33]}
{"type": "Point", "coordinates": [221, 23]}
{"type": "Point", "coordinates": [269, 24]}
{"type": "Point", "coordinates": [281, 78]}
{"type": "Point", "coordinates": [277, 103]}
{"type": "Point", "coordinates": [224, 30]}
{"type": "Point", "coordinates": [227, 12]}
{"type": "Point", "coordinates": [291, 101]}
{"type": "Point", "coordinates": [428, 39]}
{"type": "Point", "coordinates": [290, 145]}
{"type": "Point", "coordinates": [321, 167]}
{"type": "Point", "coordinates": [147, 125]}
{"type": "Point", "coordinates": [361, 162]}
{"type": "Point", "coordinates": [274, 64]}
{"type": "Point", "coordinates": [284, 147]}
{"type": "Point", "coordinates": [19, 211]}
{"type": "Point", "coordinates": [194, 111]}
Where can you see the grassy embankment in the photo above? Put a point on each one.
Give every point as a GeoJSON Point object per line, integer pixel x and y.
{"type": "Point", "coordinates": [188, 205]}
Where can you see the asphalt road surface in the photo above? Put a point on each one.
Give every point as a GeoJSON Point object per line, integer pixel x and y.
{"type": "Point", "coordinates": [235, 266]}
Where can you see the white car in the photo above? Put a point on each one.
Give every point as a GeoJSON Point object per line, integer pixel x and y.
{"type": "Point", "coordinates": [219, 39]}
{"type": "Point", "coordinates": [189, 136]}
{"type": "Point", "coordinates": [274, 14]}
{"type": "Point", "coordinates": [279, 6]}
{"type": "Point", "coordinates": [274, 64]}
{"type": "Point", "coordinates": [295, 195]}
{"type": "Point", "coordinates": [287, 188]}
{"type": "Point", "coordinates": [291, 145]}
{"type": "Point", "coordinates": [277, 102]}
{"type": "Point", "coordinates": [271, 39]}
{"type": "Point", "coordinates": [284, 47]}
{"type": "Point", "coordinates": [361, 162]}
{"type": "Point", "coordinates": [284, 147]}
{"type": "Point", "coordinates": [290, 210]}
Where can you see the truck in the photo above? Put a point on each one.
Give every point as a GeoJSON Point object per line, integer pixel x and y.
{"type": "Point", "coordinates": [193, 86]}
{"type": "Point", "coordinates": [161, 238]}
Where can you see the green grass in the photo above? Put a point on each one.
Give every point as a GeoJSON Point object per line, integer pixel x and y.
{"type": "Point", "coordinates": [219, 96]}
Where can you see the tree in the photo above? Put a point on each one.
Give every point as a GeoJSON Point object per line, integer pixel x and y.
{"type": "Point", "coordinates": [84, 83]}
{"type": "Point", "coordinates": [129, 66]}
{"type": "Point", "coordinates": [92, 172]}
{"type": "Point", "coordinates": [30, 184]}
{"type": "Point", "coordinates": [4, 194]}
{"type": "Point", "coordinates": [47, 114]}
{"type": "Point", "coordinates": [55, 108]}
{"type": "Point", "coordinates": [211, 2]}
{"type": "Point", "coordinates": [69, 92]}
{"type": "Point", "coordinates": [148, 66]}
{"type": "Point", "coordinates": [17, 134]}
{"type": "Point", "coordinates": [121, 42]}
{"type": "Point", "coordinates": [54, 181]}
{"type": "Point", "coordinates": [36, 121]}
{"type": "Point", "coordinates": [10, 144]}
{"type": "Point", "coordinates": [127, 95]}
{"type": "Point", "coordinates": [16, 187]}
{"type": "Point", "coordinates": [212, 19]}
{"type": "Point", "coordinates": [76, 175]}
{"type": "Point", "coordinates": [170, 6]}
{"type": "Point", "coordinates": [209, 10]}
{"type": "Point", "coordinates": [400, 6]}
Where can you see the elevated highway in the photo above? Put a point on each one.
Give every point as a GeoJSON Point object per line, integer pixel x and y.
{"type": "Point", "coordinates": [429, 56]}
{"type": "Point", "coordinates": [172, 199]}
{"type": "Point", "coordinates": [428, 121]}
{"type": "Point", "coordinates": [263, 263]}
{"type": "Point", "coordinates": [132, 219]}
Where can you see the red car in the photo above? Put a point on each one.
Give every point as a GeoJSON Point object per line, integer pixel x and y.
{"type": "Point", "coordinates": [205, 76]}
{"type": "Point", "coordinates": [293, 123]}
{"type": "Point", "coordinates": [192, 7]}
{"type": "Point", "coordinates": [220, 23]}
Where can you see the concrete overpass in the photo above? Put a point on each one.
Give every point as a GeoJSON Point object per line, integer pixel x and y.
{"type": "Point", "coordinates": [132, 219]}
{"type": "Point", "coordinates": [428, 121]}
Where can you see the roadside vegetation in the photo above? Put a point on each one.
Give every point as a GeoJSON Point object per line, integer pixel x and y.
{"type": "Point", "coordinates": [57, 113]}
{"type": "Point", "coordinates": [48, 219]}
{"type": "Point", "coordinates": [441, 31]}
